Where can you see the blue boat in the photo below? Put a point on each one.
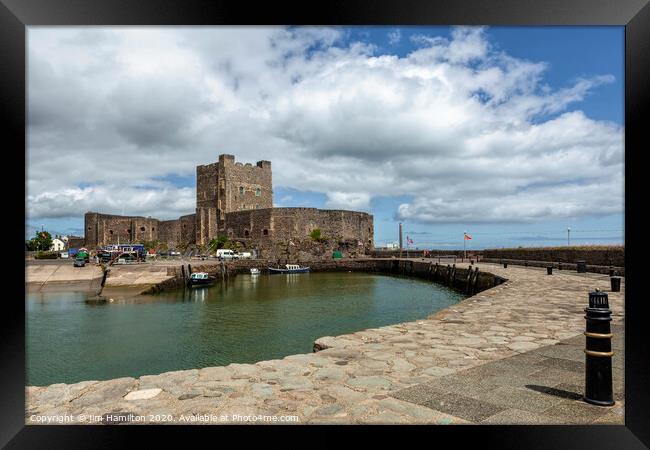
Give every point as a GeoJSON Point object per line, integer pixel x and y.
{"type": "Point", "coordinates": [290, 268]}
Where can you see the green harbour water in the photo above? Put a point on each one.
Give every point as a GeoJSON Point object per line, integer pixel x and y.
{"type": "Point", "coordinates": [70, 338]}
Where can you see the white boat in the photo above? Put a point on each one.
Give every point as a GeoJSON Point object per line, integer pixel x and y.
{"type": "Point", "coordinates": [255, 271]}
{"type": "Point", "coordinates": [198, 279]}
{"type": "Point", "coordinates": [290, 268]}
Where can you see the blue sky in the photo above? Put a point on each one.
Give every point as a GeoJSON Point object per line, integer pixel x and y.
{"type": "Point", "coordinates": [512, 134]}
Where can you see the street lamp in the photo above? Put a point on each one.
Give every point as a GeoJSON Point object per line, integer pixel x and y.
{"type": "Point", "coordinates": [568, 236]}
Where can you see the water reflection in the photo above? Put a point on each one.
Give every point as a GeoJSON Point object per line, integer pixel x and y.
{"type": "Point", "coordinates": [72, 337]}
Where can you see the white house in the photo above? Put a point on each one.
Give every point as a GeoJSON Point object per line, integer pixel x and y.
{"type": "Point", "coordinates": [57, 245]}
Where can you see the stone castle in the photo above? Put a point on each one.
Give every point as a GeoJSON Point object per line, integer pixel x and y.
{"type": "Point", "coordinates": [236, 200]}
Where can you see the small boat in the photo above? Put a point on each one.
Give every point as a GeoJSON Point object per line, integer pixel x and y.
{"type": "Point", "coordinates": [200, 279]}
{"type": "Point", "coordinates": [255, 271]}
{"type": "Point", "coordinates": [290, 268]}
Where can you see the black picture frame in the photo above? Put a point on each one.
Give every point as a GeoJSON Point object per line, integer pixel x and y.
{"type": "Point", "coordinates": [16, 15]}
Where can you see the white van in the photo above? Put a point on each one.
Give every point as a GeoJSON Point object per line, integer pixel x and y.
{"type": "Point", "coordinates": [245, 255]}
{"type": "Point", "coordinates": [224, 253]}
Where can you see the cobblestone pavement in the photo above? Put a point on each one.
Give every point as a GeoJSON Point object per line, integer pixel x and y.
{"type": "Point", "coordinates": [453, 363]}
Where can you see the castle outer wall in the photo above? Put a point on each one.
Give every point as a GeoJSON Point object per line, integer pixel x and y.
{"type": "Point", "coordinates": [107, 229]}
{"type": "Point", "coordinates": [285, 232]}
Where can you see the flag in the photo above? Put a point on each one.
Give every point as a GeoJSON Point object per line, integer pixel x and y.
{"type": "Point", "coordinates": [409, 241]}
{"type": "Point", "coordinates": [467, 237]}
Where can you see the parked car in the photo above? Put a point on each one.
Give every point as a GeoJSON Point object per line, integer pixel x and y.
{"type": "Point", "coordinates": [79, 262]}
{"type": "Point", "coordinates": [223, 253]}
{"type": "Point", "coordinates": [245, 255]}
{"type": "Point", "coordinates": [64, 255]}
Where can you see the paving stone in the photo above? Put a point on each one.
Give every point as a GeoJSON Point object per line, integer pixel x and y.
{"type": "Point", "coordinates": [369, 382]}
{"type": "Point", "coordinates": [522, 346]}
{"type": "Point", "coordinates": [295, 383]}
{"type": "Point", "coordinates": [519, 417]}
{"type": "Point", "coordinates": [464, 407]}
{"type": "Point", "coordinates": [419, 394]}
{"type": "Point", "coordinates": [262, 389]}
{"type": "Point", "coordinates": [436, 371]}
{"type": "Point", "coordinates": [563, 351]}
{"type": "Point", "coordinates": [215, 373]}
{"type": "Point", "coordinates": [143, 394]}
{"type": "Point", "coordinates": [104, 391]}
{"type": "Point", "coordinates": [550, 376]}
{"type": "Point", "coordinates": [518, 398]}
{"type": "Point", "coordinates": [385, 417]}
{"type": "Point", "coordinates": [575, 412]}
{"type": "Point", "coordinates": [564, 364]}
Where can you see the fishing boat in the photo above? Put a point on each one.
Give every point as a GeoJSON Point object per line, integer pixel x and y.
{"type": "Point", "coordinates": [255, 271]}
{"type": "Point", "coordinates": [200, 279]}
{"type": "Point", "coordinates": [289, 268]}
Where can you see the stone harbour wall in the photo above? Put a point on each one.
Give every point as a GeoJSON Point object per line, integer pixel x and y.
{"type": "Point", "coordinates": [596, 256]}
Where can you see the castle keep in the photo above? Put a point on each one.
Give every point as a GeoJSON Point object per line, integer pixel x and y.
{"type": "Point", "coordinates": [236, 200]}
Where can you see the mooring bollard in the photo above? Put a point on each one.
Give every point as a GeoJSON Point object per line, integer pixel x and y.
{"type": "Point", "coordinates": [616, 284]}
{"type": "Point", "coordinates": [598, 351]}
{"type": "Point", "coordinates": [611, 271]}
{"type": "Point", "coordinates": [549, 270]}
{"type": "Point", "coordinates": [505, 265]}
{"type": "Point", "coordinates": [559, 266]}
{"type": "Point", "coordinates": [581, 267]}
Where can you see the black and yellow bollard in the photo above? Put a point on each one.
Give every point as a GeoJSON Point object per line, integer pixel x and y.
{"type": "Point", "coordinates": [598, 351]}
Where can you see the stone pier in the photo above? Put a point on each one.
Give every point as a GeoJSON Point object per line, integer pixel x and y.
{"type": "Point", "coordinates": [509, 354]}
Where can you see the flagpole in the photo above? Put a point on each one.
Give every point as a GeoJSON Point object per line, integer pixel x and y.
{"type": "Point", "coordinates": [464, 249]}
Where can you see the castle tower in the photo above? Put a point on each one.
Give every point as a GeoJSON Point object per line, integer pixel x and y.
{"type": "Point", "coordinates": [227, 186]}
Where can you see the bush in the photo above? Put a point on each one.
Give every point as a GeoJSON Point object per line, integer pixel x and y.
{"type": "Point", "coordinates": [316, 235]}
{"type": "Point", "coordinates": [46, 255]}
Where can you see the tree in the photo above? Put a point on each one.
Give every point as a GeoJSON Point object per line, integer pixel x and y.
{"type": "Point", "coordinates": [219, 242]}
{"type": "Point", "coordinates": [42, 241]}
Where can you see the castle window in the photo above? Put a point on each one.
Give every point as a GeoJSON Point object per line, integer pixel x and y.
{"type": "Point", "coordinates": [246, 233]}
{"type": "Point", "coordinates": [241, 190]}
{"type": "Point", "coordinates": [258, 192]}
{"type": "Point", "coordinates": [110, 231]}
{"type": "Point", "coordinates": [141, 228]}
{"type": "Point", "coordinates": [265, 232]}
{"type": "Point", "coordinates": [257, 206]}
{"type": "Point", "coordinates": [128, 231]}
{"type": "Point", "coordinates": [153, 228]}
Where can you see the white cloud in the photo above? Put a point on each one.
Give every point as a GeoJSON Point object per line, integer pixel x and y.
{"type": "Point", "coordinates": [394, 37]}
{"type": "Point", "coordinates": [459, 127]}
